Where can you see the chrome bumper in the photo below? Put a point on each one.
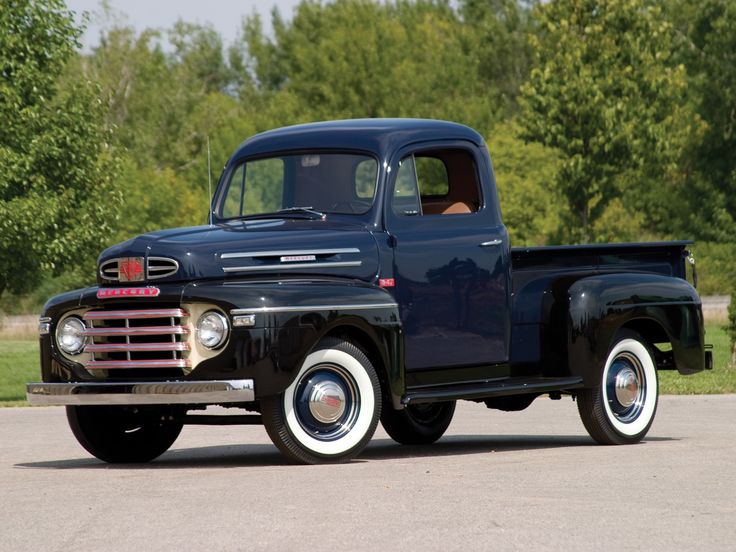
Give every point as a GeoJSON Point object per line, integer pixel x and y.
{"type": "Point", "coordinates": [153, 392]}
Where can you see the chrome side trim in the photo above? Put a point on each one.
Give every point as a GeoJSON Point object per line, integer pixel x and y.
{"type": "Point", "coordinates": [162, 392]}
{"type": "Point", "coordinates": [305, 308]}
{"type": "Point", "coordinates": [288, 253]}
{"type": "Point", "coordinates": [290, 266]}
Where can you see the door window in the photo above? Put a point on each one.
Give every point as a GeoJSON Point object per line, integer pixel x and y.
{"type": "Point", "coordinates": [437, 182]}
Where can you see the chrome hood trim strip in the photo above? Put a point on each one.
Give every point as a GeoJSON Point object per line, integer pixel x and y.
{"type": "Point", "coordinates": [288, 253]}
{"type": "Point", "coordinates": [290, 266]}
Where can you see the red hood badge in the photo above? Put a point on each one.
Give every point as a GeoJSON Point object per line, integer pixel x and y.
{"type": "Point", "coordinates": [116, 293]}
{"type": "Point", "coordinates": [130, 269]}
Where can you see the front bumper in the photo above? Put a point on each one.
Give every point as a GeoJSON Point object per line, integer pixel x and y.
{"type": "Point", "coordinates": [149, 392]}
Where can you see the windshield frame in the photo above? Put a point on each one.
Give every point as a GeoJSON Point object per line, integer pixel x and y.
{"type": "Point", "coordinates": [219, 196]}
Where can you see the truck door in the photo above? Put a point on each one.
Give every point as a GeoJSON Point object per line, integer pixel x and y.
{"type": "Point", "coordinates": [451, 257]}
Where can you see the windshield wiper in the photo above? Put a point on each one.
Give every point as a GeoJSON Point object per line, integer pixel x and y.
{"type": "Point", "coordinates": [288, 212]}
{"type": "Point", "coordinates": [310, 210]}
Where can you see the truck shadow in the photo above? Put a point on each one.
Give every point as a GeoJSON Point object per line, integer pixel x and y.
{"type": "Point", "coordinates": [266, 455]}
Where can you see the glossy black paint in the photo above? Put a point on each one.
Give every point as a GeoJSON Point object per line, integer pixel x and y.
{"type": "Point", "coordinates": [454, 294]}
{"type": "Point", "coordinates": [272, 351]}
{"type": "Point", "coordinates": [602, 305]}
{"type": "Point", "coordinates": [466, 325]}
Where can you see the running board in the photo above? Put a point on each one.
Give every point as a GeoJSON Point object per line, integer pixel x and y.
{"type": "Point", "coordinates": [223, 419]}
{"type": "Point", "coordinates": [495, 388]}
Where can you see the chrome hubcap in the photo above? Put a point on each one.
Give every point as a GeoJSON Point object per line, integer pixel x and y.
{"type": "Point", "coordinates": [326, 401]}
{"type": "Point", "coordinates": [627, 387]}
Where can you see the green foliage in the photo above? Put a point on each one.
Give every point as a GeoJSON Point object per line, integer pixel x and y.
{"type": "Point", "coordinates": [524, 178]}
{"type": "Point", "coordinates": [368, 59]}
{"type": "Point", "coordinates": [623, 130]}
{"type": "Point", "coordinates": [605, 93]}
{"type": "Point", "coordinates": [56, 198]}
{"type": "Point", "coordinates": [708, 50]}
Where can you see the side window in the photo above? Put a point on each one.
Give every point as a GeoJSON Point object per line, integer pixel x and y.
{"type": "Point", "coordinates": [446, 181]}
{"type": "Point", "coordinates": [405, 200]}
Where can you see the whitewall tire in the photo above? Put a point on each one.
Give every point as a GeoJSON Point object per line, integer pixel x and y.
{"type": "Point", "coordinates": [331, 409]}
{"type": "Point", "coordinates": [621, 409]}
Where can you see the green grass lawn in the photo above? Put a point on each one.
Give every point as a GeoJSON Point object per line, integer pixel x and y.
{"type": "Point", "coordinates": [722, 379]}
{"type": "Point", "coordinates": [19, 364]}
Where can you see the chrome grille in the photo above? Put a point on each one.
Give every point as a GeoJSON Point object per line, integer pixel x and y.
{"type": "Point", "coordinates": [156, 267]}
{"type": "Point", "coordinates": [151, 338]}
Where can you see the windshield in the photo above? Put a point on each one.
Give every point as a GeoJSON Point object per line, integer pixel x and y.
{"type": "Point", "coordinates": [340, 183]}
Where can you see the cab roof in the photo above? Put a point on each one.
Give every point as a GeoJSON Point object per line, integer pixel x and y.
{"type": "Point", "coordinates": [378, 136]}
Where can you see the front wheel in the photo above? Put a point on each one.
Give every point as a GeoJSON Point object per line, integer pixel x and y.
{"type": "Point", "coordinates": [124, 434]}
{"type": "Point", "coordinates": [420, 424]}
{"type": "Point", "coordinates": [620, 410]}
{"type": "Point", "coordinates": [331, 409]}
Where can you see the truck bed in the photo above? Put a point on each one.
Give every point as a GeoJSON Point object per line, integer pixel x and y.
{"type": "Point", "coordinates": [541, 277]}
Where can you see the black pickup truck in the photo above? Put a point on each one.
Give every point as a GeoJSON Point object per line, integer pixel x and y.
{"type": "Point", "coordinates": [358, 271]}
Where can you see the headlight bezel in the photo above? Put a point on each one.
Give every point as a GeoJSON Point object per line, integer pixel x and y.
{"type": "Point", "coordinates": [221, 319]}
{"type": "Point", "coordinates": [81, 327]}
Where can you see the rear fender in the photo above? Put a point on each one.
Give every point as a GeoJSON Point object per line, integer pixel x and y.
{"type": "Point", "coordinates": [599, 306]}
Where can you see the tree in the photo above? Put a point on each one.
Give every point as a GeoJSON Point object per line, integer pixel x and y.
{"type": "Point", "coordinates": [606, 93]}
{"type": "Point", "coordinates": [356, 58]}
{"type": "Point", "coordinates": [56, 204]}
{"type": "Point", "coordinates": [708, 50]}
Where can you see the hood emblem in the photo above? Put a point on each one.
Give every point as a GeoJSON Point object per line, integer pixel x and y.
{"type": "Point", "coordinates": [130, 269]}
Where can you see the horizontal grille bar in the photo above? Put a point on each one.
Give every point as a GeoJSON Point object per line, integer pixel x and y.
{"type": "Point", "coordinates": [113, 364]}
{"type": "Point", "coordinates": [136, 347]}
{"type": "Point", "coordinates": [136, 314]}
{"type": "Point", "coordinates": [144, 330]}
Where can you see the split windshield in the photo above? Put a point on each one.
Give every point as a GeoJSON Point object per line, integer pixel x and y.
{"type": "Point", "coordinates": [340, 183]}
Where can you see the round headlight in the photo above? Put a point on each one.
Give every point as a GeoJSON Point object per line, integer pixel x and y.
{"type": "Point", "coordinates": [212, 329]}
{"type": "Point", "coordinates": [70, 335]}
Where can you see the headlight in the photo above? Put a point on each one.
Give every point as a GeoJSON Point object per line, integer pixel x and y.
{"type": "Point", "coordinates": [70, 335]}
{"type": "Point", "coordinates": [212, 329]}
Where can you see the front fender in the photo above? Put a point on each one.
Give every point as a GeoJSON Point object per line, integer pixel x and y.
{"type": "Point", "coordinates": [290, 317]}
{"type": "Point", "coordinates": [599, 306]}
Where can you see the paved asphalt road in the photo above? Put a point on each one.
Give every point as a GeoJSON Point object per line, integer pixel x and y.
{"type": "Point", "coordinates": [497, 481]}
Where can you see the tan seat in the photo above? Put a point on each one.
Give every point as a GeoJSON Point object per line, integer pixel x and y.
{"type": "Point", "coordinates": [457, 208]}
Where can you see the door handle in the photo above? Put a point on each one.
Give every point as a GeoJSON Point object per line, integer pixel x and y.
{"type": "Point", "coordinates": [491, 243]}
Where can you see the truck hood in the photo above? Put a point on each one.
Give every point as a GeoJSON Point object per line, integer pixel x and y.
{"type": "Point", "coordinates": [272, 247]}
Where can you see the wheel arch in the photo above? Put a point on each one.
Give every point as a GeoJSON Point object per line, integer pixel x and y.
{"type": "Point", "coordinates": [380, 347]}
{"type": "Point", "coordinates": [659, 308]}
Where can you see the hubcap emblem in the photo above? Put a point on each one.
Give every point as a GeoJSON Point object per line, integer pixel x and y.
{"type": "Point", "coordinates": [627, 387]}
{"type": "Point", "coordinates": [327, 402]}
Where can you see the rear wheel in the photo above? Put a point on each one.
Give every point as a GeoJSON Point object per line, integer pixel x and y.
{"type": "Point", "coordinates": [124, 434]}
{"type": "Point", "coordinates": [620, 410]}
{"type": "Point", "coordinates": [419, 424]}
{"type": "Point", "coordinates": [330, 411]}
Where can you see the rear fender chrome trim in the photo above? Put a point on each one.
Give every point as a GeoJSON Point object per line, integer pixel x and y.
{"type": "Point", "coordinates": [162, 392]}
